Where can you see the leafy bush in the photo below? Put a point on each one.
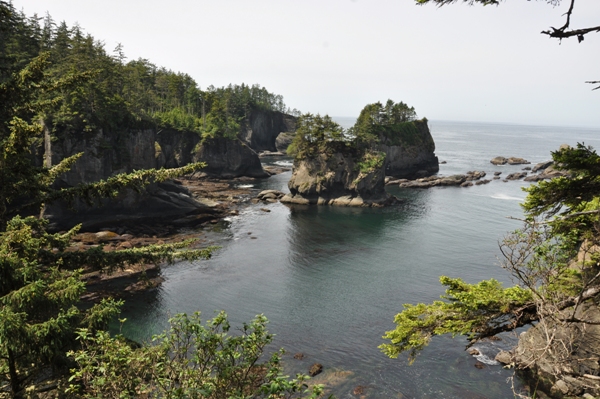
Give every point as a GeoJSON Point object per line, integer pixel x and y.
{"type": "Point", "coordinates": [190, 360]}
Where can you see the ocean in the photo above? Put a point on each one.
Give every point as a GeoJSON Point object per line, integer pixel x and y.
{"type": "Point", "coordinates": [330, 280]}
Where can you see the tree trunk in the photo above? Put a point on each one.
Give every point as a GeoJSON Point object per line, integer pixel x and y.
{"type": "Point", "coordinates": [15, 385]}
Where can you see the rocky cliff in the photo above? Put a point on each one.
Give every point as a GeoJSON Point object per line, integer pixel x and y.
{"type": "Point", "coordinates": [229, 158]}
{"type": "Point", "coordinates": [409, 149]}
{"type": "Point", "coordinates": [336, 178]}
{"type": "Point", "coordinates": [107, 153]}
{"type": "Point", "coordinates": [261, 129]}
{"type": "Point", "coordinates": [560, 359]}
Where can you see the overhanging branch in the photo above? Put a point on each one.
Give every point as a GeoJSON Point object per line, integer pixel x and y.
{"type": "Point", "coordinates": [562, 33]}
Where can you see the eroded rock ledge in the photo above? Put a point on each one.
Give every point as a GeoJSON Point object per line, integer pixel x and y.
{"type": "Point", "coordinates": [434, 181]}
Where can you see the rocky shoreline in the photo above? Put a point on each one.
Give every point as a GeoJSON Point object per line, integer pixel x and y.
{"type": "Point", "coordinates": [541, 171]}
{"type": "Point", "coordinates": [223, 197]}
{"type": "Point", "coordinates": [220, 198]}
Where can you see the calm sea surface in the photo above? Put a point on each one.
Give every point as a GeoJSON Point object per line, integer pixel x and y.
{"type": "Point", "coordinates": [330, 279]}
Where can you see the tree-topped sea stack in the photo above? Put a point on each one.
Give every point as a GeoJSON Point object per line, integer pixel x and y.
{"type": "Point", "coordinates": [348, 168]}
{"type": "Point", "coordinates": [406, 141]}
{"type": "Point", "coordinates": [333, 168]}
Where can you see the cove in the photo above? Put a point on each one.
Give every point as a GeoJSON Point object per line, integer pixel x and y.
{"type": "Point", "coordinates": [331, 279]}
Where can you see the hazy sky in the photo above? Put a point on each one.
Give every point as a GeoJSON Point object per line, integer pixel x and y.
{"type": "Point", "coordinates": [456, 62]}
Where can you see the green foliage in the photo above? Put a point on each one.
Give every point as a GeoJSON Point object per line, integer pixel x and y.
{"type": "Point", "coordinates": [118, 95]}
{"type": "Point", "coordinates": [220, 122]}
{"type": "Point", "coordinates": [178, 118]}
{"type": "Point", "coordinates": [190, 360]}
{"type": "Point", "coordinates": [40, 276]}
{"type": "Point", "coordinates": [574, 198]}
{"type": "Point", "coordinates": [539, 257]}
{"type": "Point", "coordinates": [391, 124]}
{"type": "Point", "coordinates": [371, 161]}
{"type": "Point", "coordinates": [316, 134]}
{"type": "Point", "coordinates": [38, 298]}
{"type": "Point", "coordinates": [75, 87]}
{"type": "Point", "coordinates": [466, 309]}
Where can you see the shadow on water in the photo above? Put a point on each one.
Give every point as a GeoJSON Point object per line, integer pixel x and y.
{"type": "Point", "coordinates": [331, 230]}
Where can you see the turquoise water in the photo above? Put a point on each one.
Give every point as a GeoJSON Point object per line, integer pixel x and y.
{"type": "Point", "coordinates": [330, 280]}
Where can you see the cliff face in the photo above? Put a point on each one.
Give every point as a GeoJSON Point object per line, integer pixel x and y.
{"type": "Point", "coordinates": [261, 129]}
{"type": "Point", "coordinates": [409, 151]}
{"type": "Point", "coordinates": [106, 153]}
{"type": "Point", "coordinates": [174, 148]}
{"type": "Point", "coordinates": [336, 179]}
{"type": "Point", "coordinates": [229, 158]}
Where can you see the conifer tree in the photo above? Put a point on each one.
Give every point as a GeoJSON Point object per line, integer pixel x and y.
{"type": "Point", "coordinates": [40, 282]}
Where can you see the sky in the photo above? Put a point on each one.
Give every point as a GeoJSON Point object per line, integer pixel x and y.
{"type": "Point", "coordinates": [457, 62]}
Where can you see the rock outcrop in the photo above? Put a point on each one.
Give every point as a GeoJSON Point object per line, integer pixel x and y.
{"type": "Point", "coordinates": [161, 203]}
{"type": "Point", "coordinates": [564, 363]}
{"type": "Point", "coordinates": [227, 158]}
{"type": "Point", "coordinates": [510, 161]}
{"type": "Point", "coordinates": [410, 151]}
{"type": "Point", "coordinates": [283, 141]}
{"type": "Point", "coordinates": [336, 179]}
{"type": "Point", "coordinates": [444, 181]}
{"type": "Point", "coordinates": [107, 153]}
{"type": "Point", "coordinates": [261, 129]}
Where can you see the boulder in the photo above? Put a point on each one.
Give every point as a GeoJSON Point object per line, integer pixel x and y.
{"type": "Point", "coordinates": [499, 161]}
{"type": "Point", "coordinates": [104, 236]}
{"type": "Point", "coordinates": [504, 357]}
{"type": "Point", "coordinates": [516, 176]}
{"type": "Point", "coordinates": [541, 166]}
{"type": "Point", "coordinates": [475, 175]}
{"type": "Point", "coordinates": [517, 161]}
{"type": "Point", "coordinates": [269, 194]}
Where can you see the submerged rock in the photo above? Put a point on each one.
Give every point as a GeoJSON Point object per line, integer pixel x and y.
{"type": "Point", "coordinates": [315, 369]}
